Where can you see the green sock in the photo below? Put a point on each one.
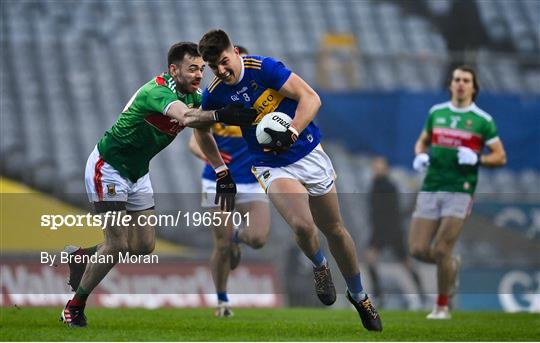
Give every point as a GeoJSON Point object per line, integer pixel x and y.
{"type": "Point", "coordinates": [80, 296]}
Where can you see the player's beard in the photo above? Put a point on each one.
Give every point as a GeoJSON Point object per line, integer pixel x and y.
{"type": "Point", "coordinates": [185, 87]}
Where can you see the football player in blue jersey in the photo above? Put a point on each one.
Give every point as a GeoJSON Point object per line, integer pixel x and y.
{"type": "Point", "coordinates": [250, 200]}
{"type": "Point", "coordinates": [293, 169]}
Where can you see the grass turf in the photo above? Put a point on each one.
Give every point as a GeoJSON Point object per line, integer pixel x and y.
{"type": "Point", "coordinates": [41, 324]}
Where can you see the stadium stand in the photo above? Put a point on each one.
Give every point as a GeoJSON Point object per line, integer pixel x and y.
{"type": "Point", "coordinates": [69, 68]}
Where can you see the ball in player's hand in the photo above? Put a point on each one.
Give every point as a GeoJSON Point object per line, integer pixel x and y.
{"type": "Point", "coordinates": [276, 121]}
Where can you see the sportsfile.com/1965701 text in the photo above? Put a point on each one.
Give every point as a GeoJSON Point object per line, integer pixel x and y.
{"type": "Point", "coordinates": [182, 219]}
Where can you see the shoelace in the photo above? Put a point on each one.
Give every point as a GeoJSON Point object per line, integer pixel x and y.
{"type": "Point", "coordinates": [320, 277]}
{"type": "Point", "coordinates": [369, 307]}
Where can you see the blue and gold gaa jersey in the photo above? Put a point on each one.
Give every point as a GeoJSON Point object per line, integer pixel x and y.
{"type": "Point", "coordinates": [260, 81]}
{"type": "Point", "coordinates": [229, 140]}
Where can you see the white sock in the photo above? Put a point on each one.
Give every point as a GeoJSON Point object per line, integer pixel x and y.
{"type": "Point", "coordinates": [323, 263]}
{"type": "Point", "coordinates": [358, 296]}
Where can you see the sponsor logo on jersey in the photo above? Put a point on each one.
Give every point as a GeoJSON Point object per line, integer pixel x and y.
{"type": "Point", "coordinates": [254, 86]}
{"type": "Point", "coordinates": [267, 103]}
{"type": "Point", "coordinates": [453, 138]}
{"type": "Point", "coordinates": [468, 124]}
{"type": "Point", "coordinates": [242, 90]}
{"type": "Point", "coordinates": [440, 120]}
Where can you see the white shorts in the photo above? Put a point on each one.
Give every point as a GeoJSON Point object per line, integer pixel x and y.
{"type": "Point", "coordinates": [314, 171]}
{"type": "Point", "coordinates": [435, 205]}
{"type": "Point", "coordinates": [104, 183]}
{"type": "Point", "coordinates": [246, 192]}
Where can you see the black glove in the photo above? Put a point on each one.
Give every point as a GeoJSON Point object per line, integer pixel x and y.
{"type": "Point", "coordinates": [281, 140]}
{"type": "Point", "coordinates": [225, 190]}
{"type": "Point", "coordinates": [235, 114]}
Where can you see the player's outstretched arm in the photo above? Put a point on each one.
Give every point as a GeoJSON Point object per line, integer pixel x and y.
{"type": "Point", "coordinates": [308, 101]}
{"type": "Point", "coordinates": [232, 114]}
{"type": "Point", "coordinates": [191, 117]}
{"type": "Point", "coordinates": [496, 156]}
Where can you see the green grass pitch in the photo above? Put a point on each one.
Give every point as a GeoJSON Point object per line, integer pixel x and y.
{"type": "Point", "coordinates": [41, 324]}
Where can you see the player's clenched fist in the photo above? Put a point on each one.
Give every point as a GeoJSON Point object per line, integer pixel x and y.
{"type": "Point", "coordinates": [467, 156]}
{"type": "Point", "coordinates": [235, 114]}
{"type": "Point", "coordinates": [421, 162]}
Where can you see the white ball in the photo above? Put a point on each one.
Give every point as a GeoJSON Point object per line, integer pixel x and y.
{"type": "Point", "coordinates": [277, 121]}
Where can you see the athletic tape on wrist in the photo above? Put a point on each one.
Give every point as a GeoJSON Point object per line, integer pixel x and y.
{"type": "Point", "coordinates": [220, 169]}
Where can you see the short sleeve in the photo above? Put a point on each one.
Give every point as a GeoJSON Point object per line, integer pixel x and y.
{"type": "Point", "coordinates": [428, 125]}
{"type": "Point", "coordinates": [490, 133]}
{"type": "Point", "coordinates": [274, 73]}
{"type": "Point", "coordinates": [159, 98]}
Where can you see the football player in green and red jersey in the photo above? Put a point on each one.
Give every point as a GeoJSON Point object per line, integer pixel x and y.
{"type": "Point", "coordinates": [455, 134]}
{"type": "Point", "coordinates": [117, 171]}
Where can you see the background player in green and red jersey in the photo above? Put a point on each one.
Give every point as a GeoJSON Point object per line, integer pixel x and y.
{"type": "Point", "coordinates": [250, 200]}
{"type": "Point", "coordinates": [456, 133]}
{"type": "Point", "coordinates": [117, 171]}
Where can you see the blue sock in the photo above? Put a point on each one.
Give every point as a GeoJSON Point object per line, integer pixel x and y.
{"type": "Point", "coordinates": [319, 259]}
{"type": "Point", "coordinates": [222, 296]}
{"type": "Point", "coordinates": [354, 285]}
{"type": "Point", "coordinates": [235, 237]}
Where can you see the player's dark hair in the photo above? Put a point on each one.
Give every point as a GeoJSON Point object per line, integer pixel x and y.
{"type": "Point", "coordinates": [212, 44]}
{"type": "Point", "coordinates": [242, 50]}
{"type": "Point", "coordinates": [470, 70]}
{"type": "Point", "coordinates": [178, 51]}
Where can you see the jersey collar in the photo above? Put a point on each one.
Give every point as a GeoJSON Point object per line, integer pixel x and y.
{"type": "Point", "coordinates": [171, 84]}
{"type": "Point", "coordinates": [462, 109]}
{"type": "Point", "coordinates": [242, 72]}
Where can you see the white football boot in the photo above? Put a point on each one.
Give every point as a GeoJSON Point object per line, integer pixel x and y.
{"type": "Point", "coordinates": [223, 310]}
{"type": "Point", "coordinates": [439, 312]}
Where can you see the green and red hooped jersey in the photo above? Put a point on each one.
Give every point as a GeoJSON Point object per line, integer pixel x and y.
{"type": "Point", "coordinates": [450, 127]}
{"type": "Point", "coordinates": [143, 129]}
